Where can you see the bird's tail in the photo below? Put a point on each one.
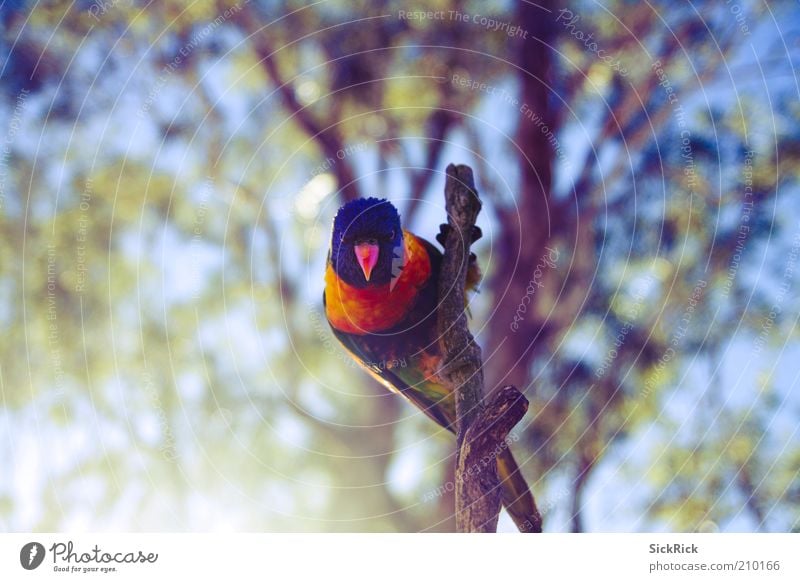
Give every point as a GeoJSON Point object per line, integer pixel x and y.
{"type": "Point", "coordinates": [516, 496]}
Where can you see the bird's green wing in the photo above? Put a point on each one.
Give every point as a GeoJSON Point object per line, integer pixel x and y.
{"type": "Point", "coordinates": [410, 377]}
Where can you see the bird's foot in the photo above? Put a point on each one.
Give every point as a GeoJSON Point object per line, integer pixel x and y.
{"type": "Point", "coordinates": [444, 230]}
{"type": "Point", "coordinates": [457, 362]}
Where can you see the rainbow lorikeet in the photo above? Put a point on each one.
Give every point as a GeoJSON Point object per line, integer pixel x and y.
{"type": "Point", "coordinates": [381, 294]}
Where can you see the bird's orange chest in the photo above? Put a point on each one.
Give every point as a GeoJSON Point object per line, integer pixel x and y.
{"type": "Point", "coordinates": [374, 309]}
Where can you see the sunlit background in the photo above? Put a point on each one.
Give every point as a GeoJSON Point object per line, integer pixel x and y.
{"type": "Point", "coordinates": [168, 174]}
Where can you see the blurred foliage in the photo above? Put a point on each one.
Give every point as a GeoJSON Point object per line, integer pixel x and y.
{"type": "Point", "coordinates": [165, 363]}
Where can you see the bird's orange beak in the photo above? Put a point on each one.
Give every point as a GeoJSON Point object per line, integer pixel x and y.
{"type": "Point", "coordinates": [367, 255]}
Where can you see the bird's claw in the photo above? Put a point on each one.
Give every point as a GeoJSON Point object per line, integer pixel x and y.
{"type": "Point", "coordinates": [444, 230]}
{"type": "Point", "coordinates": [449, 366]}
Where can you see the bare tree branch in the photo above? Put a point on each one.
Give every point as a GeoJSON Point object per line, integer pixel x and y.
{"type": "Point", "coordinates": [478, 495]}
{"type": "Point", "coordinates": [439, 123]}
{"type": "Point", "coordinates": [462, 355]}
{"type": "Point", "coordinates": [480, 430]}
{"type": "Point", "coordinates": [324, 133]}
{"type": "Point", "coordinates": [526, 228]}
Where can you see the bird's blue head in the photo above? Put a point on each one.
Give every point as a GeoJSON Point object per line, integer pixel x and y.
{"type": "Point", "coordinates": [367, 238]}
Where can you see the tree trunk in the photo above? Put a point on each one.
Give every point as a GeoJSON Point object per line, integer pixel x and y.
{"type": "Point", "coordinates": [527, 228]}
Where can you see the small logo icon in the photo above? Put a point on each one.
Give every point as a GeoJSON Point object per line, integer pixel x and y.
{"type": "Point", "coordinates": [31, 555]}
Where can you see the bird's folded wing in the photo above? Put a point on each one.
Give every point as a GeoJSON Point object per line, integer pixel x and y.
{"type": "Point", "coordinates": [405, 376]}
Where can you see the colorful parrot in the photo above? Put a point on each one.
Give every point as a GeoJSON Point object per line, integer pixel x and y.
{"type": "Point", "coordinates": [381, 294]}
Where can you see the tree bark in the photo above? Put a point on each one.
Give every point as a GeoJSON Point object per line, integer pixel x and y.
{"type": "Point", "coordinates": [480, 429]}
{"type": "Point", "coordinates": [527, 226]}
{"type": "Point", "coordinates": [325, 133]}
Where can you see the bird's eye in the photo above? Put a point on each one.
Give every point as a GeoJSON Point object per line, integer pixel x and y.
{"type": "Point", "coordinates": [391, 234]}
